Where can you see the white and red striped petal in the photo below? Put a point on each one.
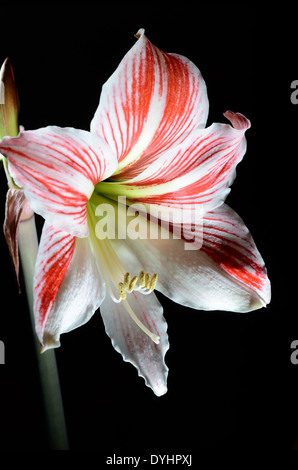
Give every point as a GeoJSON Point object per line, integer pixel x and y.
{"type": "Point", "coordinates": [196, 174]}
{"type": "Point", "coordinates": [229, 243]}
{"type": "Point", "coordinates": [68, 288]}
{"type": "Point", "coordinates": [58, 169]}
{"type": "Point", "coordinates": [148, 104]}
{"type": "Point", "coordinates": [226, 273]}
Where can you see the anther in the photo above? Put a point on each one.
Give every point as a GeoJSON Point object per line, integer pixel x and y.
{"type": "Point", "coordinates": [142, 279]}
{"type": "Point", "coordinates": [132, 283]}
{"type": "Point", "coordinates": [153, 282]}
{"type": "Point", "coordinates": [122, 290]}
{"type": "Point", "coordinates": [147, 281]}
{"type": "Point", "coordinates": [146, 284]}
{"type": "Point", "coordinates": [126, 280]}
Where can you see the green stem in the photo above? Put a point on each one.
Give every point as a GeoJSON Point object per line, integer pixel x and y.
{"type": "Point", "coordinates": [28, 247]}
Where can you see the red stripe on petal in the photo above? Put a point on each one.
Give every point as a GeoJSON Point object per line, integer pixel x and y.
{"type": "Point", "coordinates": [147, 106]}
{"type": "Point", "coordinates": [54, 257]}
{"type": "Point", "coordinates": [181, 91]}
{"type": "Point", "coordinates": [228, 242]}
{"type": "Point", "coordinates": [198, 171]}
{"type": "Point", "coordinates": [58, 169]}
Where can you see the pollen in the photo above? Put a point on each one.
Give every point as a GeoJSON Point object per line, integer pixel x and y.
{"type": "Point", "coordinates": [153, 282]}
{"type": "Point", "coordinates": [144, 283]}
{"type": "Point", "coordinates": [122, 290]}
{"type": "Point", "coordinates": [132, 283]}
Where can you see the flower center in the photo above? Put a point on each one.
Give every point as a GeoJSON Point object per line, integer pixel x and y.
{"type": "Point", "coordinates": [118, 281]}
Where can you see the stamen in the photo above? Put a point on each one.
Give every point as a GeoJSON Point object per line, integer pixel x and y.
{"type": "Point", "coordinates": [122, 290]}
{"type": "Point", "coordinates": [153, 282]}
{"type": "Point", "coordinates": [147, 281]}
{"type": "Point", "coordinates": [126, 279]}
{"type": "Point", "coordinates": [146, 284]}
{"type": "Point", "coordinates": [142, 279]}
{"type": "Point", "coordinates": [132, 283]}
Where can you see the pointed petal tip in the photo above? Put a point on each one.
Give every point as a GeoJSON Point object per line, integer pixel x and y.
{"type": "Point", "coordinates": [263, 294]}
{"type": "Point", "coordinates": [159, 389]}
{"type": "Point", "coordinates": [49, 342]}
{"type": "Point", "coordinates": [258, 304]}
{"type": "Point", "coordinates": [265, 298]}
{"type": "Point", "coordinates": [140, 33]}
{"type": "Point", "coordinates": [238, 120]}
{"type": "Point", "coordinates": [158, 385]}
{"type": "Point", "coordinates": [47, 347]}
{"type": "Point", "coordinates": [261, 297]}
{"type": "Point", "coordinates": [6, 64]}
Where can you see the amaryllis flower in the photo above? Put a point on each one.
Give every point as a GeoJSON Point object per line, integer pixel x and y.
{"type": "Point", "coordinates": [148, 144]}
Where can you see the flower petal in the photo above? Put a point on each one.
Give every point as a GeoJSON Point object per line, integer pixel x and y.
{"type": "Point", "coordinates": [16, 207]}
{"type": "Point", "coordinates": [134, 345]}
{"type": "Point", "coordinates": [195, 174]}
{"type": "Point", "coordinates": [150, 101]}
{"type": "Point", "coordinates": [58, 169]}
{"type": "Point", "coordinates": [229, 243]}
{"type": "Point", "coordinates": [227, 273]}
{"type": "Point", "coordinates": [67, 286]}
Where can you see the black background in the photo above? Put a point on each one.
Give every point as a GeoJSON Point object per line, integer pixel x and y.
{"type": "Point", "coordinates": [231, 382]}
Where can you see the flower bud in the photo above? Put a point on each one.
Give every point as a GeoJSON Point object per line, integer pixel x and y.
{"type": "Point", "coordinates": [9, 102]}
